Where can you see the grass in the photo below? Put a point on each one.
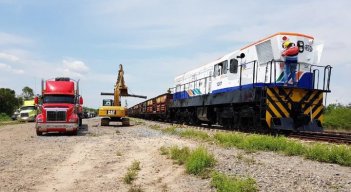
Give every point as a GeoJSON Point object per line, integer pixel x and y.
{"type": "Point", "coordinates": [180, 155]}
{"type": "Point", "coordinates": [197, 162]}
{"type": "Point", "coordinates": [132, 173]}
{"type": "Point", "coordinates": [200, 162]}
{"type": "Point", "coordinates": [190, 133]}
{"type": "Point", "coordinates": [170, 130]}
{"type": "Point", "coordinates": [330, 153]}
{"type": "Point", "coordinates": [224, 183]}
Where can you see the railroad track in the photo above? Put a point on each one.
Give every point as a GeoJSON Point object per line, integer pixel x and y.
{"type": "Point", "coordinates": [327, 136]}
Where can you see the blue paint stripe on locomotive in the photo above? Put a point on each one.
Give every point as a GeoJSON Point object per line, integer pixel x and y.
{"type": "Point", "coordinates": [305, 82]}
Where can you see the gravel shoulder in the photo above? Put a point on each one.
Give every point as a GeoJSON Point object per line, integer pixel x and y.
{"type": "Point", "coordinates": [98, 158]}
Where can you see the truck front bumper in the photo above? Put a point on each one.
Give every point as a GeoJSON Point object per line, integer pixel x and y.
{"type": "Point", "coordinates": [56, 127]}
{"type": "Point", "coordinates": [27, 118]}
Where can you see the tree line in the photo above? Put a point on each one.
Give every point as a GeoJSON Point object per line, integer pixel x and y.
{"type": "Point", "coordinates": [9, 101]}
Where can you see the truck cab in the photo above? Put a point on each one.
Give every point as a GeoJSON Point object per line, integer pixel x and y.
{"type": "Point", "coordinates": [28, 112]}
{"type": "Point", "coordinates": [60, 107]}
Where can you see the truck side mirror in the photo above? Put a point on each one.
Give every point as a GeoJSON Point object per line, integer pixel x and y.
{"type": "Point", "coordinates": [80, 100]}
{"type": "Point", "coordinates": [36, 100]}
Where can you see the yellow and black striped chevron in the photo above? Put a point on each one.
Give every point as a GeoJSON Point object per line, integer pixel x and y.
{"type": "Point", "coordinates": [287, 102]}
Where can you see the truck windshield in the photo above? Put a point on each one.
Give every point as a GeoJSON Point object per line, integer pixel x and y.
{"type": "Point", "coordinates": [58, 99]}
{"type": "Point", "coordinates": [27, 108]}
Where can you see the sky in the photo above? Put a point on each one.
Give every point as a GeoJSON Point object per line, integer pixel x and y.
{"type": "Point", "coordinates": [155, 40]}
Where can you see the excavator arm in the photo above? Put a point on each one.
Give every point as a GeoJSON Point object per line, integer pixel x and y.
{"type": "Point", "coordinates": [121, 90]}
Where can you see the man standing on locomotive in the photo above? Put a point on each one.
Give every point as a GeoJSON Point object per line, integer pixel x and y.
{"type": "Point", "coordinates": [290, 54]}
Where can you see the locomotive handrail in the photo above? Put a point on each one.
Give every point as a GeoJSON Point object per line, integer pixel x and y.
{"type": "Point", "coordinates": [314, 77]}
{"type": "Point", "coordinates": [314, 70]}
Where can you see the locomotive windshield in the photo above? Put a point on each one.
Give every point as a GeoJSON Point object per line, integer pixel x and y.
{"type": "Point", "coordinates": [58, 99]}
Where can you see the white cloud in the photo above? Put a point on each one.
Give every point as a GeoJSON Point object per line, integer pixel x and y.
{"type": "Point", "coordinates": [8, 68]}
{"type": "Point", "coordinates": [73, 68]}
{"type": "Point", "coordinates": [8, 57]}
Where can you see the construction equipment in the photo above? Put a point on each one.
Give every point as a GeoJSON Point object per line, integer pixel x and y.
{"type": "Point", "coordinates": [112, 110]}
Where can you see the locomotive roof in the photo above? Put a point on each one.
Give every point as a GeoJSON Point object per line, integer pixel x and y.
{"type": "Point", "coordinates": [279, 33]}
{"type": "Point", "coordinates": [247, 46]}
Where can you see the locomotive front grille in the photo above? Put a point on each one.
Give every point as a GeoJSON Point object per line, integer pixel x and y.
{"type": "Point", "coordinates": [56, 116]}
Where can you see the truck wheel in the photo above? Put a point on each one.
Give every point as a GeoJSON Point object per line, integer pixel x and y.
{"type": "Point", "coordinates": [39, 133]}
{"type": "Point", "coordinates": [74, 132]}
{"type": "Point", "coordinates": [80, 121]}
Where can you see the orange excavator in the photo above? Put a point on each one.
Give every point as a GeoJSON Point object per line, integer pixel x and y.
{"type": "Point", "coordinates": [112, 111]}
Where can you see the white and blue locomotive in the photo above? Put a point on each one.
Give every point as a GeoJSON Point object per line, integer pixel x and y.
{"type": "Point", "coordinates": [246, 88]}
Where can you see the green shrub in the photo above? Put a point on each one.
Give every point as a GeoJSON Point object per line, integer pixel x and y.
{"type": "Point", "coordinates": [135, 166]}
{"type": "Point", "coordinates": [198, 161]}
{"type": "Point", "coordinates": [225, 183]}
{"type": "Point", "coordinates": [4, 117]}
{"type": "Point", "coordinates": [130, 176]}
{"type": "Point", "coordinates": [337, 117]}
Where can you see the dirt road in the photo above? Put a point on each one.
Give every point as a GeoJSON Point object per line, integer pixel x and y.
{"type": "Point", "coordinates": [98, 158]}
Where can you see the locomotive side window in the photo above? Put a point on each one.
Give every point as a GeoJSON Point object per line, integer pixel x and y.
{"type": "Point", "coordinates": [218, 69]}
{"type": "Point", "coordinates": [234, 66]}
{"type": "Point", "coordinates": [225, 67]}
{"type": "Point", "coordinates": [215, 71]}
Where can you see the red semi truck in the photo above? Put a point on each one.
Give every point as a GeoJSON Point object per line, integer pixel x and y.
{"type": "Point", "coordinates": [60, 106]}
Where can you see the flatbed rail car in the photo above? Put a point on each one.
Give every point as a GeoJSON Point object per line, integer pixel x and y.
{"type": "Point", "coordinates": [249, 88]}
